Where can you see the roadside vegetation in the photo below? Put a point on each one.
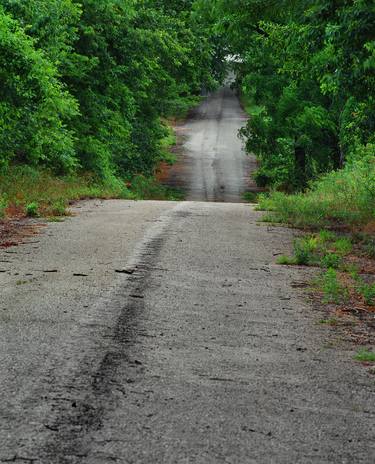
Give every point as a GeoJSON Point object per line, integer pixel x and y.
{"type": "Point", "coordinates": [306, 77]}
{"type": "Point", "coordinates": [86, 89]}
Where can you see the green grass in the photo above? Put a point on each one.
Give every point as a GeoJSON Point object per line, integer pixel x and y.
{"type": "Point", "coordinates": [343, 246]}
{"type": "Point", "coordinates": [169, 141]}
{"type": "Point", "coordinates": [331, 260]}
{"type": "Point", "coordinates": [304, 252]}
{"type": "Point", "coordinates": [148, 188]}
{"type": "Point", "coordinates": [368, 293]}
{"type": "Point", "coordinates": [248, 104]}
{"type": "Point", "coordinates": [250, 197]}
{"type": "Point", "coordinates": [365, 356]}
{"type": "Point", "coordinates": [31, 209]}
{"type": "Point", "coordinates": [32, 192]}
{"type": "Point", "coordinates": [340, 197]}
{"type": "Point", "coordinates": [286, 260]}
{"type": "Point", "coordinates": [334, 291]}
{"type": "Point", "coordinates": [40, 192]}
{"type": "Point", "coordinates": [326, 236]}
{"type": "Point", "coordinates": [179, 108]}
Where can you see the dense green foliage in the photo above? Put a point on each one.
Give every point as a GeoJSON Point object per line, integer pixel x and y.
{"type": "Point", "coordinates": [308, 69]}
{"type": "Point", "coordinates": [84, 84]}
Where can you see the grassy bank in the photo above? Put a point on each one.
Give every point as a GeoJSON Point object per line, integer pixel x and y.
{"type": "Point", "coordinates": [341, 198]}
{"type": "Point", "coordinates": [30, 192]}
{"type": "Point", "coordinates": [338, 216]}
{"type": "Point", "coordinates": [27, 191]}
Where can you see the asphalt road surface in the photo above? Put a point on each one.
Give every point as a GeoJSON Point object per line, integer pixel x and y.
{"type": "Point", "coordinates": [163, 332]}
{"type": "Point", "coordinates": [213, 165]}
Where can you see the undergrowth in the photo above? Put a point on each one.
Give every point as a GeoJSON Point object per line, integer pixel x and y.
{"type": "Point", "coordinates": [344, 197]}
{"type": "Point", "coordinates": [329, 252]}
{"type": "Point", "coordinates": [25, 191]}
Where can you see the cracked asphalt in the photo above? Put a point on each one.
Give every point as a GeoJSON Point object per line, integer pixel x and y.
{"type": "Point", "coordinates": [163, 332]}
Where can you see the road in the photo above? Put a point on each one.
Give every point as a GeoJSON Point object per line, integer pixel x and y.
{"type": "Point", "coordinates": [213, 165]}
{"type": "Point", "coordinates": [163, 332]}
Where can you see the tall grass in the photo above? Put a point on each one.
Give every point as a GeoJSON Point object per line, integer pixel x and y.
{"type": "Point", "coordinates": [346, 196]}
{"type": "Point", "coordinates": [33, 192]}
{"type": "Point", "coordinates": [23, 186]}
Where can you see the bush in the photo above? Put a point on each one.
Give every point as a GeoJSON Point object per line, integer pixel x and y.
{"type": "Point", "coordinates": [34, 106]}
{"type": "Point", "coordinates": [304, 249]}
{"type": "Point", "coordinates": [31, 209]}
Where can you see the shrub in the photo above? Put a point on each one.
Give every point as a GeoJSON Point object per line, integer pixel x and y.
{"type": "Point", "coordinates": [31, 209]}
{"type": "Point", "coordinates": [35, 107]}
{"type": "Point", "coordinates": [58, 208]}
{"type": "Point", "coordinates": [304, 249]}
{"type": "Point", "coordinates": [331, 260]}
{"type": "Point", "coordinates": [346, 196]}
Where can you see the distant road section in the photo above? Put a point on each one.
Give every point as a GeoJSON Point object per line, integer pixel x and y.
{"type": "Point", "coordinates": [214, 165]}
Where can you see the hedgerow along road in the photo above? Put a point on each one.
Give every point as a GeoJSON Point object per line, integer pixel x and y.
{"type": "Point", "coordinates": [163, 332]}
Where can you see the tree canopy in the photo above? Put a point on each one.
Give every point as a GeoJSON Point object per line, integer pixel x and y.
{"type": "Point", "coordinates": [85, 83]}
{"type": "Point", "coordinates": [308, 69]}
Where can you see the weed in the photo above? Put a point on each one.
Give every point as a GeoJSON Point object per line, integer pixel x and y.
{"type": "Point", "coordinates": [368, 293]}
{"type": "Point", "coordinates": [270, 217]}
{"type": "Point", "coordinates": [365, 356]}
{"type": "Point", "coordinates": [343, 246]}
{"type": "Point", "coordinates": [334, 292]}
{"type": "Point", "coordinates": [148, 188]}
{"type": "Point", "coordinates": [331, 260]}
{"type": "Point", "coordinates": [31, 209]}
{"type": "Point", "coordinates": [304, 249]}
{"type": "Point", "coordinates": [23, 187]}
{"type": "Point", "coordinates": [326, 236]}
{"type": "Point", "coordinates": [58, 208]}
{"type": "Point", "coordinates": [286, 260]}
{"type": "Point", "coordinates": [346, 196]}
{"type": "Point", "coordinates": [264, 202]}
